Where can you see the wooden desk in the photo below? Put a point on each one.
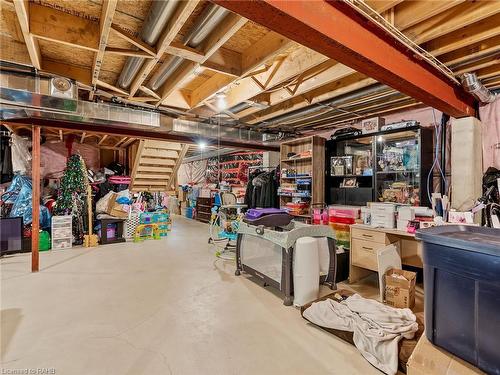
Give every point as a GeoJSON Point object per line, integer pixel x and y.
{"type": "Point", "coordinates": [367, 240]}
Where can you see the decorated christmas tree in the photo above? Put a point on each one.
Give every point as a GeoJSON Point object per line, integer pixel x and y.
{"type": "Point", "coordinates": [72, 193]}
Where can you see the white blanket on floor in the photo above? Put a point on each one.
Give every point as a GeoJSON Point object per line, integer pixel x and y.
{"type": "Point", "coordinates": [377, 328]}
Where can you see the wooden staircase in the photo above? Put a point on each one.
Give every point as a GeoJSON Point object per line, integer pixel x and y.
{"type": "Point", "coordinates": [156, 165]}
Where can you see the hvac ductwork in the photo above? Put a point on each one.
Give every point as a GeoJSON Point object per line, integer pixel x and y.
{"type": "Point", "coordinates": [30, 102]}
{"type": "Point", "coordinates": [472, 84]}
{"type": "Point", "coordinates": [207, 22]}
{"type": "Point", "coordinates": [158, 16]}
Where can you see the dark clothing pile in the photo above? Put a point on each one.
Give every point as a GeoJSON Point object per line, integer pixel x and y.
{"type": "Point", "coordinates": [262, 190]}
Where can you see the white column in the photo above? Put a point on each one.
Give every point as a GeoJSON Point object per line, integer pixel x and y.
{"type": "Point", "coordinates": [466, 163]}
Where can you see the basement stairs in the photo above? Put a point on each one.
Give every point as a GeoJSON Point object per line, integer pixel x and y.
{"type": "Point", "coordinates": [156, 165]}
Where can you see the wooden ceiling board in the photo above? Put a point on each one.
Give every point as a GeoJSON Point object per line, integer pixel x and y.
{"type": "Point", "coordinates": [63, 53]}
{"type": "Point", "coordinates": [197, 79]}
{"type": "Point", "coordinates": [113, 64]}
{"type": "Point", "coordinates": [13, 51]}
{"type": "Point", "coordinates": [9, 24]}
{"type": "Point", "coordinates": [247, 36]}
{"type": "Point", "coordinates": [116, 42]}
{"type": "Point", "coordinates": [90, 9]}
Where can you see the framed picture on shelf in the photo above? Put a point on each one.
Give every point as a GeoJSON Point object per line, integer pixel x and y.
{"type": "Point", "coordinates": [349, 182]}
{"type": "Point", "coordinates": [341, 165]}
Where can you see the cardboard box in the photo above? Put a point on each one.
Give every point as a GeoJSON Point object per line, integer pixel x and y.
{"type": "Point", "coordinates": [116, 209]}
{"type": "Point", "coordinates": [400, 292]}
{"type": "Point", "coordinates": [372, 125]}
{"type": "Point", "coordinates": [428, 359]}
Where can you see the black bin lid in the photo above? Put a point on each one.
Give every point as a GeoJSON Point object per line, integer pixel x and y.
{"type": "Point", "coordinates": [465, 237]}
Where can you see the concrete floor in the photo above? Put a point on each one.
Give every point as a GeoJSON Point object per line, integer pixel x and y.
{"type": "Point", "coordinates": [159, 307]}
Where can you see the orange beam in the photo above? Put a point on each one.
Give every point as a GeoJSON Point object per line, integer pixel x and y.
{"type": "Point", "coordinates": [35, 203]}
{"type": "Point", "coordinates": [338, 31]}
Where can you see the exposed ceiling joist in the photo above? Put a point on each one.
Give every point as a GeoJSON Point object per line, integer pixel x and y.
{"type": "Point", "coordinates": [477, 32]}
{"type": "Point", "coordinates": [362, 48]}
{"type": "Point", "coordinates": [382, 5]}
{"type": "Point", "coordinates": [22, 9]}
{"type": "Point", "coordinates": [107, 13]}
{"type": "Point", "coordinates": [452, 19]}
{"type": "Point", "coordinates": [410, 13]}
{"type": "Point", "coordinates": [182, 13]}
{"type": "Point", "coordinates": [342, 86]}
{"type": "Point", "coordinates": [228, 27]}
{"type": "Point", "coordinates": [133, 40]}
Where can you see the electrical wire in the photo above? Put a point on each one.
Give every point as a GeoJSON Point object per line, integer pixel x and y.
{"type": "Point", "coordinates": [438, 129]}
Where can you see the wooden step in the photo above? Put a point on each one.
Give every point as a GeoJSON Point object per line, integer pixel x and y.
{"type": "Point", "coordinates": [150, 182]}
{"type": "Point", "coordinates": [141, 175]}
{"type": "Point", "coordinates": [156, 161]}
{"type": "Point", "coordinates": [147, 168]}
{"type": "Point", "coordinates": [162, 145]}
{"type": "Point", "coordinates": [156, 153]}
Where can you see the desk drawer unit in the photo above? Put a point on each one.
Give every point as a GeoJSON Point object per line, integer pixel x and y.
{"type": "Point", "coordinates": [364, 253]}
{"type": "Point", "coordinates": [368, 235]}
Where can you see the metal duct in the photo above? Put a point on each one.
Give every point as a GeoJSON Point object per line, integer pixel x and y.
{"type": "Point", "coordinates": [472, 84]}
{"type": "Point", "coordinates": [207, 22]}
{"type": "Point", "coordinates": [158, 16]}
{"type": "Point", "coordinates": [29, 102]}
{"type": "Point", "coordinates": [239, 107]}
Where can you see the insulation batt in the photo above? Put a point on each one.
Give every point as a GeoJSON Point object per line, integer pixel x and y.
{"type": "Point", "coordinates": [377, 328]}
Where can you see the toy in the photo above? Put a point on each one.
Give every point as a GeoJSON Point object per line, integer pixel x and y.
{"type": "Point", "coordinates": [147, 231]}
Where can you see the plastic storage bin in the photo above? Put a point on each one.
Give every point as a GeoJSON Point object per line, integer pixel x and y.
{"type": "Point", "coordinates": [462, 292]}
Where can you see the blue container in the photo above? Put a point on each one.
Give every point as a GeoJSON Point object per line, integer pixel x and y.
{"type": "Point", "coordinates": [462, 292]}
{"type": "Point", "coordinates": [189, 212]}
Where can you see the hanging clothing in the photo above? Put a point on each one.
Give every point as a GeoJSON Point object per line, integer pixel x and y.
{"type": "Point", "coordinates": [262, 190]}
{"type": "Point", "coordinates": [6, 171]}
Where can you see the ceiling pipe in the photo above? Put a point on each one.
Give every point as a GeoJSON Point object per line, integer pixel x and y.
{"type": "Point", "coordinates": [376, 88]}
{"type": "Point", "coordinates": [207, 22]}
{"type": "Point", "coordinates": [158, 16]}
{"type": "Point", "coordinates": [472, 84]}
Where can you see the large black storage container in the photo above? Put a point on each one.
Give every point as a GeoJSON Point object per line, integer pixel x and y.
{"type": "Point", "coordinates": [462, 292]}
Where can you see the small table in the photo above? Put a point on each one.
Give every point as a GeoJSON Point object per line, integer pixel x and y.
{"type": "Point", "coordinates": [118, 234]}
{"type": "Point", "coordinates": [367, 240]}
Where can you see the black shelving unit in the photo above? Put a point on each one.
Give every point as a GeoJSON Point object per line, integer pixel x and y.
{"type": "Point", "coordinates": [373, 177]}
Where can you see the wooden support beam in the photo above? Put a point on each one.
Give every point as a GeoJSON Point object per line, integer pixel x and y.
{"type": "Point", "coordinates": [150, 92]}
{"type": "Point", "coordinates": [84, 134]}
{"type": "Point", "coordinates": [181, 74]}
{"type": "Point", "coordinates": [336, 88]}
{"type": "Point", "coordinates": [224, 61]}
{"type": "Point", "coordinates": [128, 52]}
{"type": "Point", "coordinates": [35, 202]}
{"type": "Point", "coordinates": [225, 30]}
{"type": "Point", "coordinates": [472, 51]}
{"type": "Point", "coordinates": [409, 13]}
{"type": "Point", "coordinates": [61, 135]}
{"type": "Point", "coordinates": [22, 8]}
{"type": "Point", "coordinates": [182, 13]}
{"type": "Point", "coordinates": [122, 33]}
{"type": "Point", "coordinates": [451, 20]}
{"type": "Point", "coordinates": [472, 67]}
{"type": "Point", "coordinates": [103, 138]}
{"type": "Point", "coordinates": [128, 142]}
{"type": "Point", "coordinates": [490, 71]}
{"type": "Point", "coordinates": [120, 142]}
{"type": "Point", "coordinates": [299, 60]}
{"type": "Point", "coordinates": [107, 13]}
{"type": "Point", "coordinates": [60, 27]}
{"type": "Point", "coordinates": [111, 87]}
{"type": "Point", "coordinates": [360, 45]}
{"type": "Point", "coordinates": [382, 5]}
{"type": "Point", "coordinates": [477, 32]}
